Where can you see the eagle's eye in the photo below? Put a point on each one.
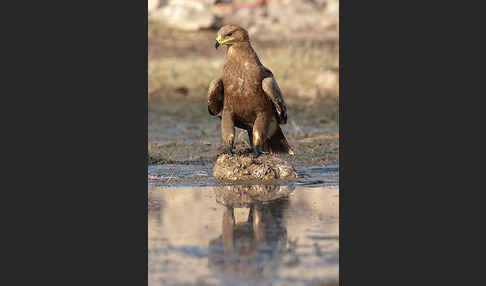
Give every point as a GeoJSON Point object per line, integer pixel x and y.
{"type": "Point", "coordinates": [229, 34]}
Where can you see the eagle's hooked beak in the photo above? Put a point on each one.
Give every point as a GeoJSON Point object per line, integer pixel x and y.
{"type": "Point", "coordinates": [220, 42]}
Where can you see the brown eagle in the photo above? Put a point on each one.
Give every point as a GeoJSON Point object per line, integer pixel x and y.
{"type": "Point", "coordinates": [247, 96]}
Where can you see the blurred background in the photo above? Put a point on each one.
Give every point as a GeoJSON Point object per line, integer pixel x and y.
{"type": "Point", "coordinates": [296, 39]}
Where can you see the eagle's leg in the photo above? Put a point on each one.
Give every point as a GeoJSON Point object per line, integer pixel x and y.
{"type": "Point", "coordinates": [259, 134]}
{"type": "Point", "coordinates": [228, 131]}
{"type": "Point", "coordinates": [228, 229]}
{"type": "Point", "coordinates": [258, 224]}
{"type": "Point", "coordinates": [250, 138]}
{"type": "Point", "coordinates": [256, 150]}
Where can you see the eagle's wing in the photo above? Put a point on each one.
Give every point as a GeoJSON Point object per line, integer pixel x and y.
{"type": "Point", "coordinates": [271, 89]}
{"type": "Point", "coordinates": [215, 97]}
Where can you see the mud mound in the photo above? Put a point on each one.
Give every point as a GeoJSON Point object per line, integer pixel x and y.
{"type": "Point", "coordinates": [246, 168]}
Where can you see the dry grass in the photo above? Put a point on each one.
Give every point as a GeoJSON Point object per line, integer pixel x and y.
{"type": "Point", "coordinates": [297, 65]}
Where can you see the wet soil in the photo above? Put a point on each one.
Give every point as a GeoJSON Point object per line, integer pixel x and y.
{"type": "Point", "coordinates": [182, 132]}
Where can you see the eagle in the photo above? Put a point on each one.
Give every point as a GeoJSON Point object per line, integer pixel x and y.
{"type": "Point", "coordinates": [247, 96]}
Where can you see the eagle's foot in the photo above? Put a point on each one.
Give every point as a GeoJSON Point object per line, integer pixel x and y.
{"type": "Point", "coordinates": [228, 150]}
{"type": "Point", "coordinates": [256, 153]}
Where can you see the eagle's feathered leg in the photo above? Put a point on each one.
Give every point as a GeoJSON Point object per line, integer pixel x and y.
{"type": "Point", "coordinates": [250, 137]}
{"type": "Point", "coordinates": [263, 128]}
{"type": "Point", "coordinates": [228, 131]}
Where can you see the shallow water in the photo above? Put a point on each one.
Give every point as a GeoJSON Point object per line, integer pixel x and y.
{"type": "Point", "coordinates": [180, 175]}
{"type": "Point", "coordinates": [243, 235]}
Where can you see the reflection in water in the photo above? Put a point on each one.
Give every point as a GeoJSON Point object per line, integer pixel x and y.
{"type": "Point", "coordinates": [243, 235]}
{"type": "Point", "coordinates": [251, 249]}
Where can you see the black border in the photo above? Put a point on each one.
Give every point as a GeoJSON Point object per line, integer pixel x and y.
{"type": "Point", "coordinates": [77, 164]}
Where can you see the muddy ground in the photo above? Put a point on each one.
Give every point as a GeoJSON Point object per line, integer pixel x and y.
{"type": "Point", "coordinates": [181, 65]}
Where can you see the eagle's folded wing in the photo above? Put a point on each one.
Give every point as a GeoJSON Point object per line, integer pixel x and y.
{"type": "Point", "coordinates": [271, 89]}
{"type": "Point", "coordinates": [215, 97]}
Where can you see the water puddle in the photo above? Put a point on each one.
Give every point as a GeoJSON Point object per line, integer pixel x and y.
{"type": "Point", "coordinates": [185, 175]}
{"type": "Point", "coordinates": [244, 234]}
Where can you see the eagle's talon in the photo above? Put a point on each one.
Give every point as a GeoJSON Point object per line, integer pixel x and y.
{"type": "Point", "coordinates": [256, 153]}
{"type": "Point", "coordinates": [228, 151]}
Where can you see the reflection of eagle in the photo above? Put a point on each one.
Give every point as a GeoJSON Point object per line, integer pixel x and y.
{"type": "Point", "coordinates": [248, 96]}
{"type": "Point", "coordinates": [254, 248]}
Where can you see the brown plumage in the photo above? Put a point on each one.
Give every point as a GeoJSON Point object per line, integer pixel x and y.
{"type": "Point", "coordinates": [247, 96]}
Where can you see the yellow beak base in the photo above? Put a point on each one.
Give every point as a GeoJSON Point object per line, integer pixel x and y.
{"type": "Point", "coordinates": [222, 42]}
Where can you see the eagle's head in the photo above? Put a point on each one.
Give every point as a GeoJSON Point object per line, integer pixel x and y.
{"type": "Point", "coordinates": [231, 34]}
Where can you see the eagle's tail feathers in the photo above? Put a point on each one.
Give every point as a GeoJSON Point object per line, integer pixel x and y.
{"type": "Point", "coordinates": [277, 143]}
